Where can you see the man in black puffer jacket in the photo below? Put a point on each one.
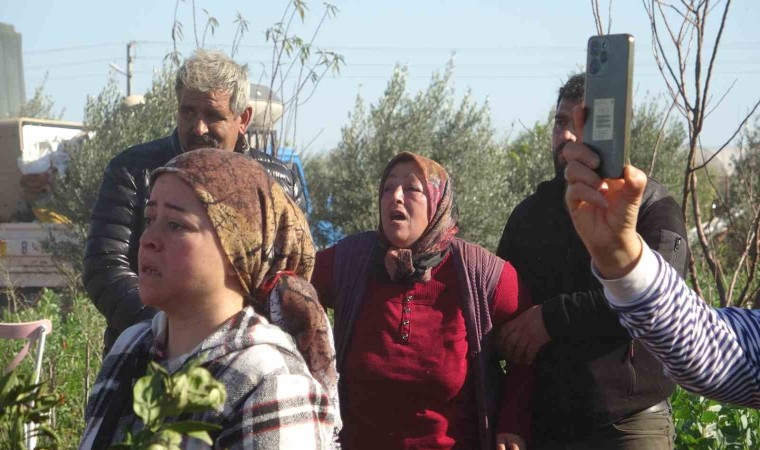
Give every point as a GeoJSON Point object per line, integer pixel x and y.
{"type": "Point", "coordinates": [595, 387]}
{"type": "Point", "coordinates": [212, 95]}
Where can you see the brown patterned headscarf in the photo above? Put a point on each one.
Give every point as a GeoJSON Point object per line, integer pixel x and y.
{"type": "Point", "coordinates": [266, 238]}
{"type": "Point", "coordinates": [416, 262]}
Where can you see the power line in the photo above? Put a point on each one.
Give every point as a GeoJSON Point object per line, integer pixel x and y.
{"type": "Point", "coordinates": [456, 76]}
{"type": "Point", "coordinates": [457, 66]}
{"type": "Point", "coordinates": [70, 77]}
{"type": "Point", "coordinates": [497, 77]}
{"type": "Point", "coordinates": [389, 65]}
{"type": "Point", "coordinates": [380, 48]}
{"type": "Point", "coordinates": [77, 47]}
{"type": "Point", "coordinates": [70, 64]}
{"type": "Point", "coordinates": [376, 77]}
{"type": "Point", "coordinates": [495, 49]}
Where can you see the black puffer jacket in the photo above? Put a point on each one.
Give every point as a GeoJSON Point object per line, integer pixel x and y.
{"type": "Point", "coordinates": [592, 373]}
{"type": "Point", "coordinates": [110, 255]}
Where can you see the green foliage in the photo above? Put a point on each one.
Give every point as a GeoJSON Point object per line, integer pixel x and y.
{"type": "Point", "coordinates": [22, 403]}
{"type": "Point", "coordinates": [706, 424]}
{"type": "Point", "coordinates": [159, 396]}
{"type": "Point", "coordinates": [114, 128]}
{"type": "Point", "coordinates": [730, 211]}
{"type": "Point", "coordinates": [457, 134]}
{"type": "Point", "coordinates": [650, 131]}
{"type": "Point", "coordinates": [531, 160]}
{"type": "Point", "coordinates": [71, 361]}
{"type": "Point", "coordinates": [40, 106]}
{"type": "Point", "coordinates": [737, 219]}
{"type": "Point", "coordinates": [490, 177]}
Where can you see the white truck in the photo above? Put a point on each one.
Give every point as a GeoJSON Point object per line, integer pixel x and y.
{"type": "Point", "coordinates": [29, 157]}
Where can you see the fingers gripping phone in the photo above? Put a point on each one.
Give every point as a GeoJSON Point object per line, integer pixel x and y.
{"type": "Point", "coordinates": [609, 78]}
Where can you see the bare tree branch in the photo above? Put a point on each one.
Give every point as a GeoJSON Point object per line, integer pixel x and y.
{"type": "Point", "coordinates": [712, 262]}
{"type": "Point", "coordinates": [684, 16]}
{"type": "Point", "coordinates": [753, 243]}
{"type": "Point", "coordinates": [176, 36]}
{"type": "Point", "coordinates": [711, 65]}
{"type": "Point", "coordinates": [660, 134]}
{"type": "Point", "coordinates": [306, 48]}
{"type": "Point", "coordinates": [723, 97]}
{"type": "Point", "coordinates": [609, 16]}
{"type": "Point", "coordinates": [306, 149]}
{"type": "Point", "coordinates": [723, 204]}
{"type": "Point", "coordinates": [663, 60]}
{"type": "Point", "coordinates": [195, 27]}
{"type": "Point", "coordinates": [730, 139]}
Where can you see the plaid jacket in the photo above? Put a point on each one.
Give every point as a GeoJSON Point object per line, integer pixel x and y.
{"type": "Point", "coordinates": [272, 400]}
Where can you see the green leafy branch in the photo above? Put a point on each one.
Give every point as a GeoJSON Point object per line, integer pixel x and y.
{"type": "Point", "coordinates": [22, 403]}
{"type": "Point", "coordinates": [159, 396]}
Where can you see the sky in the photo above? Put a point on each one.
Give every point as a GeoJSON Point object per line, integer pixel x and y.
{"type": "Point", "coordinates": [514, 55]}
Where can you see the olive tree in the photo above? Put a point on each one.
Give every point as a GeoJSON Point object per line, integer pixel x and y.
{"type": "Point", "coordinates": [456, 132]}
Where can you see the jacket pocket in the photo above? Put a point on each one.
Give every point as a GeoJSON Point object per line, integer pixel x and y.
{"type": "Point", "coordinates": [674, 248]}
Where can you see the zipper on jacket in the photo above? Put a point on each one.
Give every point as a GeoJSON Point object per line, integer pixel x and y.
{"type": "Point", "coordinates": [674, 259]}
{"type": "Point", "coordinates": [631, 368]}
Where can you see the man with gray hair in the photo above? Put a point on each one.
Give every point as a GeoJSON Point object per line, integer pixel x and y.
{"type": "Point", "coordinates": [212, 96]}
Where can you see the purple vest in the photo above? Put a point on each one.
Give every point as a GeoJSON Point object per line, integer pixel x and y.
{"type": "Point", "coordinates": [478, 271]}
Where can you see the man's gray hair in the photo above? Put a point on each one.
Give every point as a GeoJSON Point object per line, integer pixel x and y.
{"type": "Point", "coordinates": [213, 71]}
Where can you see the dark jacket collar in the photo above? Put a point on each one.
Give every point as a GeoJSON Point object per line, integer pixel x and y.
{"type": "Point", "coordinates": [554, 188]}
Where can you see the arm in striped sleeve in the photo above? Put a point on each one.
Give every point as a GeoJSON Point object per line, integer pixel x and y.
{"type": "Point", "coordinates": [712, 352]}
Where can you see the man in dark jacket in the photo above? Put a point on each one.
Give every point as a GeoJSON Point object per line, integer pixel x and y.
{"type": "Point", "coordinates": [212, 95]}
{"type": "Point", "coordinates": [595, 387]}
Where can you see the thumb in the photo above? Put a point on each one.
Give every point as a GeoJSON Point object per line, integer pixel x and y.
{"type": "Point", "coordinates": [635, 183]}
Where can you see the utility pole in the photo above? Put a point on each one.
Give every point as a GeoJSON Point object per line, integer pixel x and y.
{"type": "Point", "coordinates": [130, 65]}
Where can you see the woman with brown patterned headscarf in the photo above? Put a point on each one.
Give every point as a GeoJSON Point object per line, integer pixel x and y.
{"type": "Point", "coordinates": [226, 257]}
{"type": "Point", "coordinates": [414, 307]}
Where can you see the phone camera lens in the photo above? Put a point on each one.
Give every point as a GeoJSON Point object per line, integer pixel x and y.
{"type": "Point", "coordinates": [594, 48]}
{"type": "Point", "coordinates": [603, 56]}
{"type": "Point", "coordinates": [593, 66]}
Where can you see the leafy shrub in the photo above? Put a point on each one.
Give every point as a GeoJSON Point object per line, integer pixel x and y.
{"type": "Point", "coordinates": [72, 357]}
{"type": "Point", "coordinates": [22, 403]}
{"type": "Point", "coordinates": [707, 424]}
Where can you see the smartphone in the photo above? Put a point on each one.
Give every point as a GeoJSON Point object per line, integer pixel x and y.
{"type": "Point", "coordinates": [609, 81]}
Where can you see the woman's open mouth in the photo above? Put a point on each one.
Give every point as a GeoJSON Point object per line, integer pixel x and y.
{"type": "Point", "coordinates": [397, 216]}
{"type": "Point", "coordinates": [149, 271]}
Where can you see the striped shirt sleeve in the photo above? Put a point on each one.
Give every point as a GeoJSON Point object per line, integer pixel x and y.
{"type": "Point", "coordinates": [712, 352]}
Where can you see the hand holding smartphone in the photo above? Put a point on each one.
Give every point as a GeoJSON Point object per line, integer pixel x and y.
{"type": "Point", "coordinates": [608, 89]}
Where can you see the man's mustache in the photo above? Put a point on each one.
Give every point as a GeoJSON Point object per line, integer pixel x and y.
{"type": "Point", "coordinates": [205, 140]}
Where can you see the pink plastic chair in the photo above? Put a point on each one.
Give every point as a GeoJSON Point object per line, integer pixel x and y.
{"type": "Point", "coordinates": [34, 333]}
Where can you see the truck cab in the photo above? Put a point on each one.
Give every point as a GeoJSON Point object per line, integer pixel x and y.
{"type": "Point", "coordinates": [30, 156]}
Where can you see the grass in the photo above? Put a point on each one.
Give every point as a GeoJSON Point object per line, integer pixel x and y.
{"type": "Point", "coordinates": [72, 355]}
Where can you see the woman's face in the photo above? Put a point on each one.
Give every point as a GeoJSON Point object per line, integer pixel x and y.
{"type": "Point", "coordinates": [181, 261]}
{"type": "Point", "coordinates": [403, 205]}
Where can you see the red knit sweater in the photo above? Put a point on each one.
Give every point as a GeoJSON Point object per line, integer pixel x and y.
{"type": "Point", "coordinates": [405, 382]}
